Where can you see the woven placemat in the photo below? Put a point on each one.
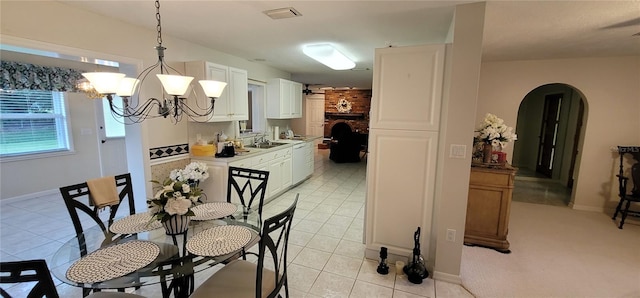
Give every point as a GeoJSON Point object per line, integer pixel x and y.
{"type": "Point", "coordinates": [113, 261]}
{"type": "Point", "coordinates": [135, 223]}
{"type": "Point", "coordinates": [215, 210]}
{"type": "Point", "coordinates": [219, 241]}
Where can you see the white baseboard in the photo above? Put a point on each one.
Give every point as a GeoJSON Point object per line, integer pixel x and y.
{"type": "Point", "coordinates": [587, 208]}
{"type": "Point", "coordinates": [30, 196]}
{"type": "Point", "coordinates": [446, 277]}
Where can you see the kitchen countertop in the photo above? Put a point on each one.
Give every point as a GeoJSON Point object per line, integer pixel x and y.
{"type": "Point", "coordinates": [256, 151]}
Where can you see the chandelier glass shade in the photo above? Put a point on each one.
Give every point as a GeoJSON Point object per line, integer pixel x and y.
{"type": "Point", "coordinates": [174, 85]}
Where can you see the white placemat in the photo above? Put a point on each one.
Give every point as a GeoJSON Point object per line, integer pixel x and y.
{"type": "Point", "coordinates": [215, 210]}
{"type": "Point", "coordinates": [135, 223]}
{"type": "Point", "coordinates": [113, 261]}
{"type": "Point", "coordinates": [218, 241]}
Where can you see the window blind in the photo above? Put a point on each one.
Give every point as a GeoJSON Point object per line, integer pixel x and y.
{"type": "Point", "coordinates": [32, 121]}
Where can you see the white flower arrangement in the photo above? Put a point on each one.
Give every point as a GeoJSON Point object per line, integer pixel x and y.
{"type": "Point", "coordinates": [179, 192]}
{"type": "Point", "coordinates": [193, 173]}
{"type": "Point", "coordinates": [493, 131]}
{"type": "Point", "coordinates": [174, 198]}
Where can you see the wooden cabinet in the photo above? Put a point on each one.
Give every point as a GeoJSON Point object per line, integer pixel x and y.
{"type": "Point", "coordinates": [284, 99]}
{"type": "Point", "coordinates": [403, 147]}
{"type": "Point", "coordinates": [488, 207]}
{"type": "Point", "coordinates": [233, 104]}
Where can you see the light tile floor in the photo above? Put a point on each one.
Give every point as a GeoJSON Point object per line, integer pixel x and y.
{"type": "Point", "coordinates": [326, 253]}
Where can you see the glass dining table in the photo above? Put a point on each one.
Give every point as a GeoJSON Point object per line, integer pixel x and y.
{"type": "Point", "coordinates": [136, 252]}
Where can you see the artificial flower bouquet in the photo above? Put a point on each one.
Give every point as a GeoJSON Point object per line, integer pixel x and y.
{"type": "Point", "coordinates": [493, 131]}
{"type": "Point", "coordinates": [179, 192]}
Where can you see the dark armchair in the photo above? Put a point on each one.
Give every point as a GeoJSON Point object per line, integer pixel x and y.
{"type": "Point", "coordinates": [345, 145]}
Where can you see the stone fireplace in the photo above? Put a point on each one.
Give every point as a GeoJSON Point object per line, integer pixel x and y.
{"type": "Point", "coordinates": [353, 110]}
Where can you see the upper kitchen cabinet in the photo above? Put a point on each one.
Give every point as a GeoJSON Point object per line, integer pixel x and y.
{"type": "Point", "coordinates": [233, 104]}
{"type": "Point", "coordinates": [284, 99]}
{"type": "Point", "coordinates": [407, 87]}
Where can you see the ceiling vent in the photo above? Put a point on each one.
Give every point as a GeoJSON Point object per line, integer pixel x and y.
{"type": "Point", "coordinates": [282, 13]}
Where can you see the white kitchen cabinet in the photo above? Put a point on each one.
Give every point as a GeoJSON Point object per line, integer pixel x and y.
{"type": "Point", "coordinates": [280, 177]}
{"type": "Point", "coordinates": [310, 159]}
{"type": "Point", "coordinates": [407, 85]}
{"type": "Point", "coordinates": [284, 99]}
{"type": "Point", "coordinates": [233, 104]}
{"type": "Point", "coordinates": [287, 176]}
{"type": "Point", "coordinates": [277, 162]}
{"type": "Point", "coordinates": [403, 144]}
{"type": "Point", "coordinates": [239, 96]}
{"type": "Point", "coordinates": [274, 185]}
{"type": "Point", "coordinates": [215, 187]}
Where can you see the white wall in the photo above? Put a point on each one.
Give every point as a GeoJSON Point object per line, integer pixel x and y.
{"type": "Point", "coordinates": [78, 29]}
{"type": "Point", "coordinates": [43, 174]}
{"type": "Point", "coordinates": [610, 87]}
{"type": "Point", "coordinates": [457, 124]}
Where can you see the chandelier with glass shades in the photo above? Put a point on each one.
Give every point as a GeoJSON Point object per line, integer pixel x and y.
{"type": "Point", "coordinates": [175, 85]}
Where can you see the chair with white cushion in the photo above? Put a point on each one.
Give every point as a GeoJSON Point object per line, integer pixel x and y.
{"type": "Point", "coordinates": [242, 279]}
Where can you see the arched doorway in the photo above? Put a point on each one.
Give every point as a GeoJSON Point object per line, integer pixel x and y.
{"type": "Point", "coordinates": [549, 129]}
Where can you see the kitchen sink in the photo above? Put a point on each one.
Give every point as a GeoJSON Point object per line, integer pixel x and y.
{"type": "Point", "coordinates": [266, 145]}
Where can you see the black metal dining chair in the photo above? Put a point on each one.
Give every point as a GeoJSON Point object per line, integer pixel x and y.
{"type": "Point", "coordinates": [78, 200]}
{"type": "Point", "coordinates": [249, 187]}
{"type": "Point", "coordinates": [241, 278]}
{"type": "Point", "coordinates": [37, 271]}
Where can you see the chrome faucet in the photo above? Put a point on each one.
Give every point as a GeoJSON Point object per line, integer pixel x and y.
{"type": "Point", "coordinates": [261, 139]}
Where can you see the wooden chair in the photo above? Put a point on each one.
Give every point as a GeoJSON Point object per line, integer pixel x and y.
{"type": "Point", "coordinates": [77, 199]}
{"type": "Point", "coordinates": [37, 271]}
{"type": "Point", "coordinates": [241, 278]}
{"type": "Point", "coordinates": [626, 198]}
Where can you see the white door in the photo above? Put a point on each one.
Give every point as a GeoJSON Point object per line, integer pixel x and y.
{"type": "Point", "coordinates": [315, 118]}
{"type": "Point", "coordinates": [112, 150]}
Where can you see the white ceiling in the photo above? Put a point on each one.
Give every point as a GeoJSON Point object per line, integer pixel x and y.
{"type": "Point", "coordinates": [514, 30]}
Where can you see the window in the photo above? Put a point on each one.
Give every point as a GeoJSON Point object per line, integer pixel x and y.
{"type": "Point", "coordinates": [113, 125]}
{"type": "Point", "coordinates": [33, 122]}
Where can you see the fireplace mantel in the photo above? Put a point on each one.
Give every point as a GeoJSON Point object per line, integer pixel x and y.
{"type": "Point", "coordinates": [344, 115]}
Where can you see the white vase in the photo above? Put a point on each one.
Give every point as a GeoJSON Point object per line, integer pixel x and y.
{"type": "Point", "coordinates": [177, 224]}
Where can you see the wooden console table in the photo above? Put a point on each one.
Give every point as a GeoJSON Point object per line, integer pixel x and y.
{"type": "Point", "coordinates": [488, 206]}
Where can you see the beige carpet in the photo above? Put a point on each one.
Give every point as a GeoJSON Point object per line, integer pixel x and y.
{"type": "Point", "coordinates": [557, 252]}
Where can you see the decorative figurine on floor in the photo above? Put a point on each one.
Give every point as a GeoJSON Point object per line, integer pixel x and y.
{"type": "Point", "coordinates": [416, 270]}
{"type": "Point", "coordinates": [383, 268]}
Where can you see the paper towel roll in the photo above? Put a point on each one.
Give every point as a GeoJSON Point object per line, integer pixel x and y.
{"type": "Point", "coordinates": [276, 133]}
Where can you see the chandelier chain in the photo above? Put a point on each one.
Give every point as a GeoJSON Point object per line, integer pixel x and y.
{"type": "Point", "coordinates": [136, 110]}
{"type": "Point", "coordinates": [159, 26]}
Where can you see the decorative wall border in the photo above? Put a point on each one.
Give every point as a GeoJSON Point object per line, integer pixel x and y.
{"type": "Point", "coordinates": [166, 151]}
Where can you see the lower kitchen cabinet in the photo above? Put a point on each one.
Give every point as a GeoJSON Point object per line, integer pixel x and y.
{"type": "Point", "coordinates": [279, 175]}
{"type": "Point", "coordinates": [278, 163]}
{"type": "Point", "coordinates": [215, 187]}
{"type": "Point", "coordinates": [488, 206]}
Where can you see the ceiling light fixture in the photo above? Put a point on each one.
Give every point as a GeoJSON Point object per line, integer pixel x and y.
{"type": "Point", "coordinates": [109, 84]}
{"type": "Point", "coordinates": [329, 56]}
